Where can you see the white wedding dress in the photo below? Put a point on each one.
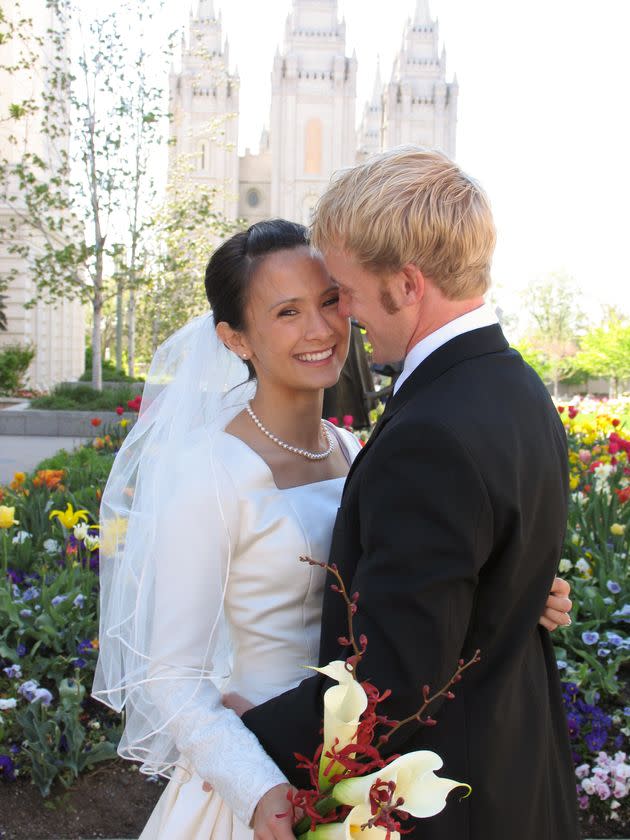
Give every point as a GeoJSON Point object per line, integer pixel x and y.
{"type": "Point", "coordinates": [273, 606]}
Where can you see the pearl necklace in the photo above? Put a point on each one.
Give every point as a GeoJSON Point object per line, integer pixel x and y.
{"type": "Point", "coordinates": [312, 456]}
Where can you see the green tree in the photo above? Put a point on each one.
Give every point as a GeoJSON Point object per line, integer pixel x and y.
{"type": "Point", "coordinates": [185, 230]}
{"type": "Point", "coordinates": [555, 323]}
{"type": "Point", "coordinates": [65, 210]}
{"type": "Point", "coordinates": [605, 351]}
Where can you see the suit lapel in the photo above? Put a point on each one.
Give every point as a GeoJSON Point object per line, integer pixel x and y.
{"type": "Point", "coordinates": [466, 346]}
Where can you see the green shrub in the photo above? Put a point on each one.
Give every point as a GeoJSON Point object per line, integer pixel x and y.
{"type": "Point", "coordinates": [85, 398]}
{"type": "Point", "coordinates": [14, 362]}
{"type": "Point", "coordinates": [109, 370]}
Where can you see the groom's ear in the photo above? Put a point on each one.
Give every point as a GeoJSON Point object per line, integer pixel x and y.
{"type": "Point", "coordinates": [413, 284]}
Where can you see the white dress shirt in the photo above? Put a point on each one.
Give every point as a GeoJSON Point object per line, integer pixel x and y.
{"type": "Point", "coordinates": [483, 316]}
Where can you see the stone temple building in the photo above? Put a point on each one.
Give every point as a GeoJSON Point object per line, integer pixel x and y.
{"type": "Point", "coordinates": [56, 332]}
{"type": "Point", "coordinates": [312, 128]}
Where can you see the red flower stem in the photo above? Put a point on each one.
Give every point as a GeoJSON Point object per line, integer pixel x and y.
{"type": "Point", "coordinates": [443, 692]}
{"type": "Point", "coordinates": [350, 606]}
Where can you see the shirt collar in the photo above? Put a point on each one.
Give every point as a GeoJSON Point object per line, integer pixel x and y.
{"type": "Point", "coordinates": [483, 316]}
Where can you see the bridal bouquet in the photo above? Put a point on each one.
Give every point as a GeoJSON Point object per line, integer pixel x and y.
{"type": "Point", "coordinates": [354, 788]}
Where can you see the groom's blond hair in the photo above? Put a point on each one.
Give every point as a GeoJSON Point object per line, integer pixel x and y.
{"type": "Point", "coordinates": [411, 205]}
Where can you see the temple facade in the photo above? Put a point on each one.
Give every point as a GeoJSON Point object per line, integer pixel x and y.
{"type": "Point", "coordinates": [312, 126]}
{"type": "Point", "coordinates": [55, 331]}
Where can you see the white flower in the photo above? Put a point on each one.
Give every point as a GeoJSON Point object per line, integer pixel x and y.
{"type": "Point", "coordinates": [343, 706]}
{"type": "Point", "coordinates": [565, 566]}
{"type": "Point", "coordinates": [80, 531]}
{"type": "Point", "coordinates": [350, 829]}
{"type": "Point", "coordinates": [423, 792]}
{"type": "Point", "coordinates": [91, 542]}
{"type": "Point", "coordinates": [51, 546]}
{"type": "Point", "coordinates": [7, 703]}
{"type": "Point", "coordinates": [21, 537]}
{"type": "Point", "coordinates": [582, 566]}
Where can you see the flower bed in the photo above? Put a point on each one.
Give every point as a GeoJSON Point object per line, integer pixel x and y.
{"type": "Point", "coordinates": [594, 653]}
{"type": "Point", "coordinates": [51, 731]}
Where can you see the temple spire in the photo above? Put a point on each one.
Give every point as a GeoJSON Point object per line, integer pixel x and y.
{"type": "Point", "coordinates": [205, 9]}
{"type": "Point", "coordinates": [422, 14]}
{"type": "Point", "coordinates": [377, 90]}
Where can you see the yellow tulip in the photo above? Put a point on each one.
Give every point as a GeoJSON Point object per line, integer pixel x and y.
{"type": "Point", "coordinates": [69, 517]}
{"type": "Point", "coordinates": [343, 706]}
{"type": "Point", "coordinates": [617, 530]}
{"type": "Point", "coordinates": [7, 517]}
{"type": "Point", "coordinates": [574, 482]}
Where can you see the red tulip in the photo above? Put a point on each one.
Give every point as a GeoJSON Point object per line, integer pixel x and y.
{"type": "Point", "coordinates": [334, 421]}
{"type": "Point", "coordinates": [560, 409]}
{"type": "Point", "coordinates": [96, 421]}
{"type": "Point", "coordinates": [348, 419]}
{"type": "Point", "coordinates": [119, 410]}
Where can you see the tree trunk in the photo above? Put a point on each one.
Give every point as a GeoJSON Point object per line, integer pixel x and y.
{"type": "Point", "coordinates": [155, 326]}
{"type": "Point", "coordinates": [97, 368]}
{"type": "Point", "coordinates": [131, 332]}
{"type": "Point", "coordinates": [119, 324]}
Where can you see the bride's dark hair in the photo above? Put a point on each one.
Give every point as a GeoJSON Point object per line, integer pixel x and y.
{"type": "Point", "coordinates": [234, 263]}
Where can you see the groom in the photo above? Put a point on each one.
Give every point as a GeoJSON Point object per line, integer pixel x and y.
{"type": "Point", "coordinates": [453, 515]}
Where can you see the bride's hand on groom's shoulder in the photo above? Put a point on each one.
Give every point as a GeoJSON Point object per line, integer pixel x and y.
{"type": "Point", "coordinates": [238, 704]}
{"type": "Point", "coordinates": [274, 815]}
{"type": "Point", "coordinates": [558, 606]}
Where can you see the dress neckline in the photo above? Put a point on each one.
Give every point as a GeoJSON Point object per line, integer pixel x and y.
{"type": "Point", "coordinates": [261, 460]}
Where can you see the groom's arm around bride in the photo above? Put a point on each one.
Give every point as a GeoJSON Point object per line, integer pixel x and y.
{"type": "Point", "coordinates": [452, 520]}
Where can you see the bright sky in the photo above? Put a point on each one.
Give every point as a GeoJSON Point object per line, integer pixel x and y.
{"type": "Point", "coordinates": [543, 120]}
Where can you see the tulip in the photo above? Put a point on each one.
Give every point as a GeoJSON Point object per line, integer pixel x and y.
{"type": "Point", "coordinates": [7, 517]}
{"type": "Point", "coordinates": [68, 517]}
{"type": "Point", "coordinates": [423, 792]}
{"type": "Point", "coordinates": [343, 706]}
{"type": "Point", "coordinates": [91, 542]}
{"type": "Point", "coordinates": [80, 531]}
{"type": "Point", "coordinates": [617, 530]}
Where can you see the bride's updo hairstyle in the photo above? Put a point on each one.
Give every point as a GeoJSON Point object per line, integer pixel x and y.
{"type": "Point", "coordinates": [233, 265]}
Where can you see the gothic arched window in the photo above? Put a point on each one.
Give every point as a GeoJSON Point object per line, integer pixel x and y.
{"type": "Point", "coordinates": [313, 147]}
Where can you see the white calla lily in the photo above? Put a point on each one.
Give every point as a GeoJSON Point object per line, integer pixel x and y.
{"type": "Point", "coordinates": [350, 828]}
{"type": "Point", "coordinates": [343, 706]}
{"type": "Point", "coordinates": [423, 792]}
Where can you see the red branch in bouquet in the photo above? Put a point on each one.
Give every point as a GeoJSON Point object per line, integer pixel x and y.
{"type": "Point", "coordinates": [351, 608]}
{"type": "Point", "coordinates": [429, 699]}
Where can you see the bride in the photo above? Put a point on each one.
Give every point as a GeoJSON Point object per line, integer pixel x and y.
{"type": "Point", "coordinates": [228, 477]}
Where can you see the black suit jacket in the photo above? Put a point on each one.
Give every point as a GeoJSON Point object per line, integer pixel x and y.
{"type": "Point", "coordinates": [451, 528]}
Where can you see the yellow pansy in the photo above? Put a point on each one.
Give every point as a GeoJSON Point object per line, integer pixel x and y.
{"type": "Point", "coordinates": [69, 517]}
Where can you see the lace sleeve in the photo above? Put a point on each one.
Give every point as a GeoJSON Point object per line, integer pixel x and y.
{"type": "Point", "coordinates": [198, 541]}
